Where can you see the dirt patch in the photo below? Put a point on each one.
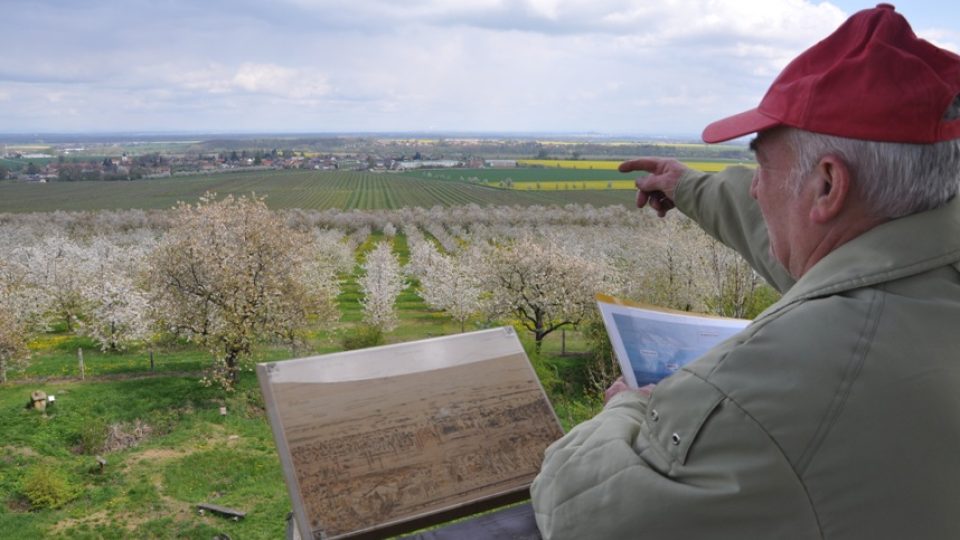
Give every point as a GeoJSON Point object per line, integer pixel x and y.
{"type": "Point", "coordinates": [178, 510]}
{"type": "Point", "coordinates": [68, 523]}
{"type": "Point", "coordinates": [131, 521]}
{"type": "Point", "coordinates": [18, 451]}
{"type": "Point", "coordinates": [156, 454]}
{"type": "Point", "coordinates": [18, 504]}
{"type": "Point", "coordinates": [219, 435]}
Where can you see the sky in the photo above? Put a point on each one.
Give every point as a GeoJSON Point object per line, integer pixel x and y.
{"type": "Point", "coordinates": [608, 67]}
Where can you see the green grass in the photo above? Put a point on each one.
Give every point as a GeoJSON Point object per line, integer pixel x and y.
{"type": "Point", "coordinates": [196, 455]}
{"type": "Point", "coordinates": [149, 491]}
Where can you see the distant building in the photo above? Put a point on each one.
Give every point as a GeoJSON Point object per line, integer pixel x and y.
{"type": "Point", "coordinates": [428, 164]}
{"type": "Point", "coordinates": [502, 163]}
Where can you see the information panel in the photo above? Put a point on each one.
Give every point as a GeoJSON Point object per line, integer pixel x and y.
{"type": "Point", "coordinates": [374, 439]}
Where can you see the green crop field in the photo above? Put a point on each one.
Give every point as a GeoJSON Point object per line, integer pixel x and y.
{"type": "Point", "coordinates": [285, 189]}
{"type": "Point", "coordinates": [523, 174]}
{"type": "Point", "coordinates": [557, 172]}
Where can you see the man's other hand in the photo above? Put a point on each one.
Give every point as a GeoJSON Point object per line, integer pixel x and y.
{"type": "Point", "coordinates": [620, 385]}
{"type": "Point", "coordinates": [657, 188]}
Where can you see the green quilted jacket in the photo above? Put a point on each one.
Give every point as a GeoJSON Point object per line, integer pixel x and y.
{"type": "Point", "coordinates": [835, 414]}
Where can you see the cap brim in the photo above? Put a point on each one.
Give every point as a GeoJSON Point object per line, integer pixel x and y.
{"type": "Point", "coordinates": [738, 125]}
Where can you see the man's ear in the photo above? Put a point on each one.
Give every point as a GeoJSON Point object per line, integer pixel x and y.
{"type": "Point", "coordinates": [832, 184]}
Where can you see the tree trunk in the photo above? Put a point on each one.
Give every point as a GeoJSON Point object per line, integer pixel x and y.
{"type": "Point", "coordinates": [233, 372]}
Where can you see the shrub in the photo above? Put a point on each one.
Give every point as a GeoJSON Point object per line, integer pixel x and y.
{"type": "Point", "coordinates": [602, 367]}
{"type": "Point", "coordinates": [123, 436]}
{"type": "Point", "coordinates": [164, 421]}
{"type": "Point", "coordinates": [362, 337]}
{"type": "Point", "coordinates": [47, 487]}
{"type": "Point", "coordinates": [91, 437]}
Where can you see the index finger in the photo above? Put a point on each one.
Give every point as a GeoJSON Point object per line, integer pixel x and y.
{"type": "Point", "coordinates": [642, 164]}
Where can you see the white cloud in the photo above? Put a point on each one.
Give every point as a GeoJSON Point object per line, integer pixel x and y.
{"type": "Point", "coordinates": [269, 79]}
{"type": "Point", "coordinates": [499, 65]}
{"type": "Point", "coordinates": [280, 81]}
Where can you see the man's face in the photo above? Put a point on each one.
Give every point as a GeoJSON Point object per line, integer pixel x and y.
{"type": "Point", "coordinates": [782, 210]}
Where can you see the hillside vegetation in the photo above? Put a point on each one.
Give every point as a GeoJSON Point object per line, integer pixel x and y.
{"type": "Point", "coordinates": [84, 283]}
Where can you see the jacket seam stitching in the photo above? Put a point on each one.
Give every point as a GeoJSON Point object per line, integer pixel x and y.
{"type": "Point", "coordinates": [852, 372]}
{"type": "Point", "coordinates": [776, 444]}
{"type": "Point", "coordinates": [753, 328]}
{"type": "Point", "coordinates": [901, 272]}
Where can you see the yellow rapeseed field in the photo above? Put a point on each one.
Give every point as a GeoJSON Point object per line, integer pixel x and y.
{"type": "Point", "coordinates": [702, 165]}
{"type": "Point", "coordinates": [570, 163]}
{"type": "Point", "coordinates": [579, 184]}
{"type": "Point", "coordinates": [713, 166]}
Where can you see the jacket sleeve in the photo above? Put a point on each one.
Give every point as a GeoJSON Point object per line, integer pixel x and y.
{"type": "Point", "coordinates": [721, 204]}
{"type": "Point", "coordinates": [687, 464]}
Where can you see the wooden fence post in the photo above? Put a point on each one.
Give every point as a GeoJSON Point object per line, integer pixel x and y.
{"type": "Point", "coordinates": [151, 359]}
{"type": "Point", "coordinates": [80, 357]}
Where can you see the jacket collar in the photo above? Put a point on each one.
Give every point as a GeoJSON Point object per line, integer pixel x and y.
{"type": "Point", "coordinates": [896, 249]}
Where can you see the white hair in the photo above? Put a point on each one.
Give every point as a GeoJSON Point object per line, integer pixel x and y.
{"type": "Point", "coordinates": [895, 179]}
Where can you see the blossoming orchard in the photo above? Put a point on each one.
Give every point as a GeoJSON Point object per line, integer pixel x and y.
{"type": "Point", "coordinates": [227, 274]}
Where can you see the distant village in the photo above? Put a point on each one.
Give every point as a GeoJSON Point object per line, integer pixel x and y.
{"type": "Point", "coordinates": [66, 168]}
{"type": "Point", "coordinates": [132, 159]}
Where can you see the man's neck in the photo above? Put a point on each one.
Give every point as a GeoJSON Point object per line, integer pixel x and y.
{"type": "Point", "coordinates": [835, 236]}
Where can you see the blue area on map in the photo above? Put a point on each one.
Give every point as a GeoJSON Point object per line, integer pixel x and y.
{"type": "Point", "coordinates": [658, 348]}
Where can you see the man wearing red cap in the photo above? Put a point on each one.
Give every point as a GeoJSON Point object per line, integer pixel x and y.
{"type": "Point", "coordinates": [836, 413]}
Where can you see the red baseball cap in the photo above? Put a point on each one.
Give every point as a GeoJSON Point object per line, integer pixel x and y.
{"type": "Point", "coordinates": [872, 79]}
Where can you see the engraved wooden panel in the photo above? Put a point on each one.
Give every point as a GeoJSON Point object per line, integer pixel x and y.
{"type": "Point", "coordinates": [378, 437]}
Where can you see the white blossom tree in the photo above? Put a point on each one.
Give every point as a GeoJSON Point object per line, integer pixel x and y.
{"type": "Point", "coordinates": [381, 284]}
{"type": "Point", "coordinates": [543, 286]}
{"type": "Point", "coordinates": [118, 310]}
{"type": "Point", "coordinates": [13, 329]}
{"type": "Point", "coordinates": [452, 282]}
{"type": "Point", "coordinates": [58, 269]}
{"type": "Point", "coordinates": [423, 255]}
{"type": "Point", "coordinates": [229, 273]}
{"type": "Point", "coordinates": [13, 347]}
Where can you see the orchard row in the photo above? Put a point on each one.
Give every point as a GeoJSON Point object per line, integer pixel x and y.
{"type": "Point", "coordinates": [229, 273]}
